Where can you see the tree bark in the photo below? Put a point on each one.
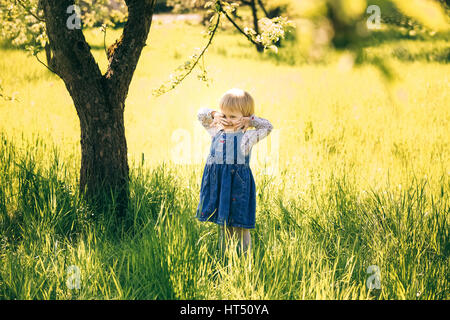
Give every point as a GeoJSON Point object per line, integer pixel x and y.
{"type": "Point", "coordinates": [99, 99]}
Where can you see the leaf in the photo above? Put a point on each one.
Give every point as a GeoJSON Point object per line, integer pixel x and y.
{"type": "Point", "coordinates": [427, 12]}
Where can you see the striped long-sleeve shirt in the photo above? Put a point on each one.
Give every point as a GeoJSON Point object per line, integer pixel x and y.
{"type": "Point", "coordinates": [262, 129]}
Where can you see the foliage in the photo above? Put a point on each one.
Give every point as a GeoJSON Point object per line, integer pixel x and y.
{"type": "Point", "coordinates": [162, 6]}
{"type": "Point", "coordinates": [282, 7]}
{"type": "Point", "coordinates": [339, 23]}
{"type": "Point", "coordinates": [183, 70]}
{"type": "Point", "coordinates": [344, 25]}
{"type": "Point", "coordinates": [427, 12]}
{"type": "Point", "coordinates": [182, 6]}
{"type": "Point", "coordinates": [274, 8]}
{"type": "Point", "coordinates": [272, 31]}
{"type": "Point", "coordinates": [23, 24]}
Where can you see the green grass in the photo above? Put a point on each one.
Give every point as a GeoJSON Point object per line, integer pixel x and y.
{"type": "Point", "coordinates": [362, 179]}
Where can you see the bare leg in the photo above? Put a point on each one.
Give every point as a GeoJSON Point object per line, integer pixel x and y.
{"type": "Point", "coordinates": [244, 238]}
{"type": "Point", "coordinates": [225, 234]}
{"type": "Point", "coordinates": [241, 235]}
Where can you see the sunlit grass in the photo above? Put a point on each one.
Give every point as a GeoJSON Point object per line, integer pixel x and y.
{"type": "Point", "coordinates": [361, 178]}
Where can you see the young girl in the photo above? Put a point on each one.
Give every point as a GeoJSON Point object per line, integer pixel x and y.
{"type": "Point", "coordinates": [227, 194]}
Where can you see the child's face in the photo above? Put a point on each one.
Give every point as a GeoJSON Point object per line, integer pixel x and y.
{"type": "Point", "coordinates": [231, 116]}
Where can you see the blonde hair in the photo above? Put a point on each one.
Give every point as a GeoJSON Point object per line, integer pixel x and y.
{"type": "Point", "coordinates": [238, 100]}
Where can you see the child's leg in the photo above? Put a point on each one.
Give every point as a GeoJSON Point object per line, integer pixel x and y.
{"type": "Point", "coordinates": [244, 238]}
{"type": "Point", "coordinates": [225, 235]}
{"type": "Point", "coordinates": [229, 234]}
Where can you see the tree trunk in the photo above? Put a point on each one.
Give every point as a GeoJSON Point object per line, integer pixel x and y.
{"type": "Point", "coordinates": [99, 99]}
{"type": "Point", "coordinates": [104, 163]}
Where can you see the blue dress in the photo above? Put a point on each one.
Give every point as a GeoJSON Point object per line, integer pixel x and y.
{"type": "Point", "coordinates": [228, 190]}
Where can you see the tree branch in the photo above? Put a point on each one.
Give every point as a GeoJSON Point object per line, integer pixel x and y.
{"type": "Point", "coordinates": [179, 79]}
{"type": "Point", "coordinates": [104, 27]}
{"type": "Point", "coordinates": [29, 11]}
{"type": "Point", "coordinates": [263, 8]}
{"type": "Point", "coordinates": [72, 59]}
{"type": "Point", "coordinates": [204, 49]}
{"type": "Point", "coordinates": [238, 28]}
{"type": "Point", "coordinates": [71, 52]}
{"type": "Point", "coordinates": [45, 65]}
{"type": "Point", "coordinates": [124, 54]}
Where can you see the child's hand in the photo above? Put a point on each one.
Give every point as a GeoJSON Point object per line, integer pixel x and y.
{"type": "Point", "coordinates": [242, 123]}
{"type": "Point", "coordinates": [219, 120]}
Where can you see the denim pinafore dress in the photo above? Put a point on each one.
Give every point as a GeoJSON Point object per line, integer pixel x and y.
{"type": "Point", "coordinates": [228, 190]}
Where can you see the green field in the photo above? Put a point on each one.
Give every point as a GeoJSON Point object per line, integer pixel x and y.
{"type": "Point", "coordinates": [359, 176]}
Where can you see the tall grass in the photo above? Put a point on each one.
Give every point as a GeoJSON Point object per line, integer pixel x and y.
{"type": "Point", "coordinates": [314, 247]}
{"type": "Point", "coordinates": [362, 180]}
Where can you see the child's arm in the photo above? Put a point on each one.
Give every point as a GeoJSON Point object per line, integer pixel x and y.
{"type": "Point", "coordinates": [212, 120]}
{"type": "Point", "coordinates": [251, 137]}
{"type": "Point", "coordinates": [206, 117]}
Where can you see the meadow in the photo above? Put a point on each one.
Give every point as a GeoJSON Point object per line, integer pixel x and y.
{"type": "Point", "coordinates": [352, 184]}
